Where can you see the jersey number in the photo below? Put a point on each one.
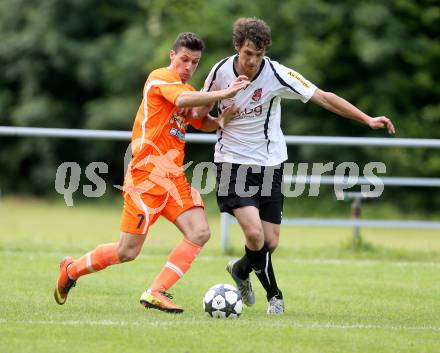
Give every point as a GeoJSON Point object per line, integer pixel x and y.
{"type": "Point", "coordinates": [141, 220]}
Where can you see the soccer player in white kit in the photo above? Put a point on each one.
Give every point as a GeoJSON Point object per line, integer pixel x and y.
{"type": "Point", "coordinates": [251, 149]}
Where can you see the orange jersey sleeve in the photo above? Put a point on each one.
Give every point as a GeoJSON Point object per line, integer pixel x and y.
{"type": "Point", "coordinates": [158, 136]}
{"type": "Point", "coordinates": [171, 92]}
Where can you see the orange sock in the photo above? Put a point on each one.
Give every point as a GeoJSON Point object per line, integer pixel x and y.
{"type": "Point", "coordinates": [178, 263]}
{"type": "Point", "coordinates": [103, 256]}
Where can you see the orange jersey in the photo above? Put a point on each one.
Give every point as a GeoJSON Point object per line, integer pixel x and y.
{"type": "Point", "coordinates": [158, 136]}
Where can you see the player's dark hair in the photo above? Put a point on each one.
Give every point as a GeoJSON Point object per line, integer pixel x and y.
{"type": "Point", "coordinates": [253, 29]}
{"type": "Point", "coordinates": [190, 41]}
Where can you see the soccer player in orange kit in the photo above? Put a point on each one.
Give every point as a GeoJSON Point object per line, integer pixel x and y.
{"type": "Point", "coordinates": [155, 183]}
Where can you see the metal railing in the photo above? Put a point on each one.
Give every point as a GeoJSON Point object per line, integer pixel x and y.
{"type": "Point", "coordinates": [210, 138]}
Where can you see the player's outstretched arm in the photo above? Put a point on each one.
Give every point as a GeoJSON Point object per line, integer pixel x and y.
{"type": "Point", "coordinates": [211, 124]}
{"type": "Point", "coordinates": [340, 106]}
{"type": "Point", "coordinates": [195, 99]}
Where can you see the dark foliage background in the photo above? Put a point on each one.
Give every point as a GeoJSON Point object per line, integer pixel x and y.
{"type": "Point", "coordinates": [82, 64]}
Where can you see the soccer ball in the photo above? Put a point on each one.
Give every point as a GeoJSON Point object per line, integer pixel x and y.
{"type": "Point", "coordinates": [222, 301]}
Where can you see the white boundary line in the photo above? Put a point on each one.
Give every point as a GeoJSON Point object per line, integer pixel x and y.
{"type": "Point", "coordinates": [312, 325]}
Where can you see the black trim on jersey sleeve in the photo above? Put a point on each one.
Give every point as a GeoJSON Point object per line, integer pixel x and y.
{"type": "Point", "coordinates": [215, 72]}
{"type": "Point", "coordinates": [284, 83]}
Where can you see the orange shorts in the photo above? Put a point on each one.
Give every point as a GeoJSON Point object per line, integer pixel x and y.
{"type": "Point", "coordinates": [156, 196]}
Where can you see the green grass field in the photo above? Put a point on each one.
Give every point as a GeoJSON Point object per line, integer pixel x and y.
{"type": "Point", "coordinates": [383, 298]}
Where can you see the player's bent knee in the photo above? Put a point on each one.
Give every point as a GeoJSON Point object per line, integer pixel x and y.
{"type": "Point", "coordinates": [272, 239]}
{"type": "Point", "coordinates": [199, 235]}
{"type": "Point", "coordinates": [272, 245]}
{"type": "Point", "coordinates": [127, 254]}
{"type": "Point", "coordinates": [254, 235]}
{"type": "Point", "coordinates": [203, 235]}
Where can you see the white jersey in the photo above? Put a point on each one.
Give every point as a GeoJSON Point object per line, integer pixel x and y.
{"type": "Point", "coordinates": [255, 136]}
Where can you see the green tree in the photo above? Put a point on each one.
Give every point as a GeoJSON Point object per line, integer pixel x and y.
{"type": "Point", "coordinates": [82, 64]}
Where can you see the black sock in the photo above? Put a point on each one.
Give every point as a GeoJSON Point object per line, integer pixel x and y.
{"type": "Point", "coordinates": [242, 268]}
{"type": "Point", "coordinates": [261, 263]}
